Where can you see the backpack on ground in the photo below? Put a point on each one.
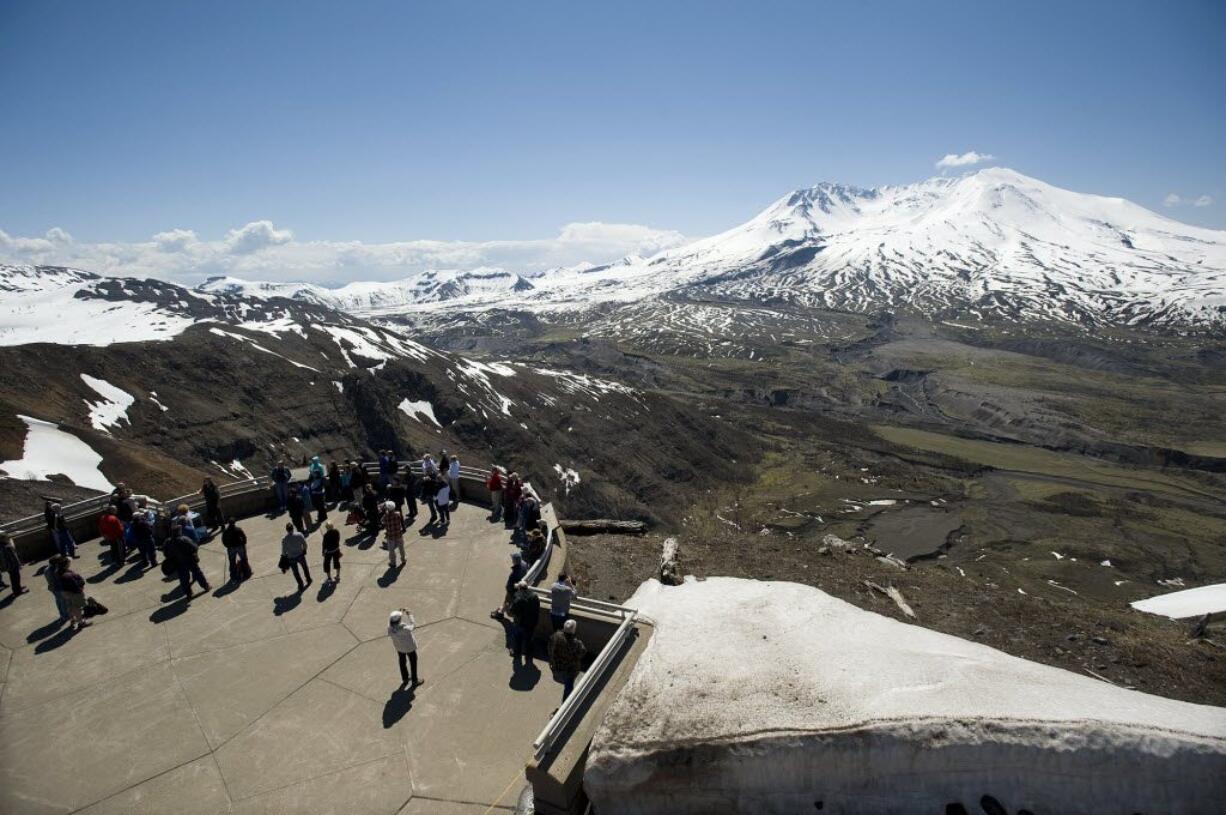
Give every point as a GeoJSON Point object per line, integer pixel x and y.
{"type": "Point", "coordinates": [93, 608]}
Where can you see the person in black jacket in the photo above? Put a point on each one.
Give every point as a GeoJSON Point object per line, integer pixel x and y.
{"type": "Point", "coordinates": [296, 507]}
{"type": "Point", "coordinates": [526, 611]}
{"type": "Point", "coordinates": [332, 552]}
{"type": "Point", "coordinates": [370, 506]}
{"type": "Point", "coordinates": [235, 541]}
{"type": "Point", "coordinates": [212, 503]}
{"type": "Point", "coordinates": [411, 488]}
{"type": "Point", "coordinates": [186, 556]}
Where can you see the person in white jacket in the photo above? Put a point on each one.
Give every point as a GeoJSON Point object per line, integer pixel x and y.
{"type": "Point", "coordinates": [453, 476]}
{"type": "Point", "coordinates": [400, 627]}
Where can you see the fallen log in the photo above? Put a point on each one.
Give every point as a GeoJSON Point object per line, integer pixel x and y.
{"type": "Point", "coordinates": [598, 526]}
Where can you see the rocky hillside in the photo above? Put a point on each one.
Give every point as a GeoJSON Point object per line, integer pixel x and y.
{"type": "Point", "coordinates": [164, 385]}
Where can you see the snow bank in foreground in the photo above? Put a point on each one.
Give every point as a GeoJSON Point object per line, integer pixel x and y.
{"type": "Point", "coordinates": [771, 697]}
{"type": "Point", "coordinates": [51, 451]}
{"type": "Point", "coordinates": [113, 408]}
{"type": "Point", "coordinates": [1188, 603]}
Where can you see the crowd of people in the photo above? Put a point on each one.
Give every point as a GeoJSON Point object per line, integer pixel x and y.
{"type": "Point", "coordinates": [135, 529]}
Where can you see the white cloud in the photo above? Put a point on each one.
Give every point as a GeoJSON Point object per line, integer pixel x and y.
{"type": "Point", "coordinates": [964, 160]}
{"type": "Point", "coordinates": [255, 236]}
{"type": "Point", "coordinates": [174, 240]}
{"type": "Point", "coordinates": [57, 235]}
{"type": "Point", "coordinates": [261, 251]}
{"type": "Point", "coordinates": [1175, 200]}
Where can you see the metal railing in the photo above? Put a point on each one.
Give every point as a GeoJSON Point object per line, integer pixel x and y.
{"type": "Point", "coordinates": [595, 673]}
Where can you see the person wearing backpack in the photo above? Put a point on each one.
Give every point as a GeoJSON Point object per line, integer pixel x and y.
{"type": "Point", "coordinates": [235, 540]}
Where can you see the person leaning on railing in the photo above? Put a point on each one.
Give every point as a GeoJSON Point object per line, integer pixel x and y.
{"type": "Point", "coordinates": [566, 653]}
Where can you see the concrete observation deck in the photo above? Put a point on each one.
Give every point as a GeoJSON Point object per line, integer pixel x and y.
{"type": "Point", "coordinates": [256, 699]}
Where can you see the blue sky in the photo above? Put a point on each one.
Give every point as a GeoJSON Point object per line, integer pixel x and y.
{"type": "Point", "coordinates": [497, 121]}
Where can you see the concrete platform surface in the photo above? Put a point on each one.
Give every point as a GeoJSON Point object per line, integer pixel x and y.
{"type": "Point", "coordinates": [255, 698]}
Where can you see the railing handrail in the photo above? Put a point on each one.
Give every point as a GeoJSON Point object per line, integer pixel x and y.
{"type": "Point", "coordinates": [78, 509]}
{"type": "Point", "coordinates": [583, 688]}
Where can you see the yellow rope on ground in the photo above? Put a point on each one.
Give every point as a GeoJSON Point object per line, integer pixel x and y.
{"type": "Point", "coordinates": [499, 798]}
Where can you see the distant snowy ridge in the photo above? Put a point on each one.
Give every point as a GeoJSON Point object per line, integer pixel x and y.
{"type": "Point", "coordinates": [993, 243]}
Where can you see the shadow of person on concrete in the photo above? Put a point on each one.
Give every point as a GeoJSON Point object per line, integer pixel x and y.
{"type": "Point", "coordinates": [170, 610]}
{"type": "Point", "coordinates": [440, 531]}
{"type": "Point", "coordinates": [326, 589]}
{"type": "Point", "coordinates": [51, 643]}
{"type": "Point", "coordinates": [398, 704]}
{"type": "Point", "coordinates": [286, 603]}
{"type": "Point", "coordinates": [110, 569]}
{"type": "Point", "coordinates": [524, 676]}
{"type": "Point", "coordinates": [133, 573]}
{"type": "Point", "coordinates": [44, 631]}
{"type": "Point", "coordinates": [389, 576]}
{"type": "Point", "coordinates": [226, 588]}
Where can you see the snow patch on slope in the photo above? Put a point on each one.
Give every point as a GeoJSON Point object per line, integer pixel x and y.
{"type": "Point", "coordinates": [1179, 605]}
{"type": "Point", "coordinates": [51, 451]}
{"type": "Point", "coordinates": [420, 410]}
{"type": "Point", "coordinates": [113, 408]}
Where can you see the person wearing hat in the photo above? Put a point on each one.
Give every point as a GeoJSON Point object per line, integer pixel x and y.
{"type": "Point", "coordinates": [400, 627]}
{"type": "Point", "coordinates": [566, 652]}
{"type": "Point", "coordinates": [393, 525]}
{"type": "Point", "coordinates": [526, 611]}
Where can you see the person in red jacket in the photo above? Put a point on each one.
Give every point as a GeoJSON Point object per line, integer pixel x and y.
{"type": "Point", "coordinates": [111, 529]}
{"type": "Point", "coordinates": [494, 485]}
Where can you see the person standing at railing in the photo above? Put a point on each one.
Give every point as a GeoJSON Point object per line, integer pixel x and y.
{"type": "Point", "coordinates": [494, 485]}
{"type": "Point", "coordinates": [400, 625]}
{"type": "Point", "coordinates": [10, 562]}
{"type": "Point", "coordinates": [370, 509]}
{"type": "Point", "coordinates": [428, 468]}
{"type": "Point", "coordinates": [112, 532]}
{"type": "Point", "coordinates": [334, 482]}
{"type": "Point", "coordinates": [319, 499]}
{"type": "Point", "coordinates": [510, 499]}
{"type": "Point", "coordinates": [65, 544]}
{"type": "Point", "coordinates": [526, 611]}
{"type": "Point", "coordinates": [410, 484]}
{"type": "Point", "coordinates": [560, 595]}
{"type": "Point", "coordinates": [566, 653]}
{"type": "Point", "coordinates": [281, 476]}
{"type": "Point", "coordinates": [518, 570]}
{"type": "Point", "coordinates": [387, 468]}
{"type": "Point", "coordinates": [453, 478]}
{"type": "Point", "coordinates": [141, 530]}
{"type": "Point", "coordinates": [212, 504]}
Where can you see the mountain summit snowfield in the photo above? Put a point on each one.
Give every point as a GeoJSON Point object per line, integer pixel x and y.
{"type": "Point", "coordinates": [992, 243]}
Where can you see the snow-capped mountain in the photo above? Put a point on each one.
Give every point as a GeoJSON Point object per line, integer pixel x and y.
{"type": "Point", "coordinates": [989, 243]}
{"type": "Point", "coordinates": [453, 287]}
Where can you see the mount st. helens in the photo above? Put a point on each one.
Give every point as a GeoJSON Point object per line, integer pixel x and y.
{"type": "Point", "coordinates": [991, 244]}
{"type": "Point", "coordinates": [166, 384]}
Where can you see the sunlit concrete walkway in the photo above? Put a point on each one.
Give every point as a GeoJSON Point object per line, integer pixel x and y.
{"type": "Point", "coordinates": [257, 699]}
